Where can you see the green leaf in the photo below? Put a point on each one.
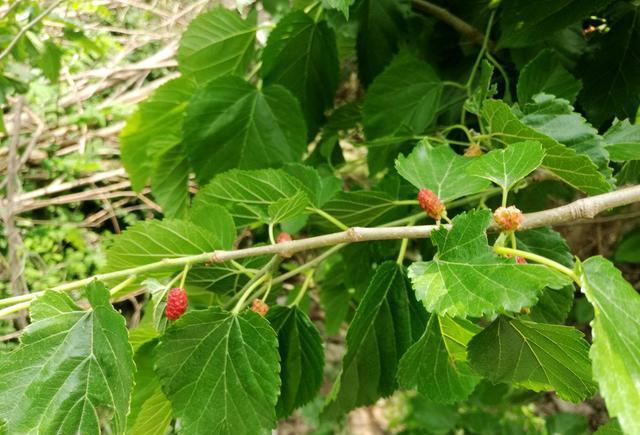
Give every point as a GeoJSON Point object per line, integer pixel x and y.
{"type": "Point", "coordinates": [216, 219]}
{"type": "Point", "coordinates": [248, 194]}
{"type": "Point", "coordinates": [150, 409]}
{"type": "Point", "coordinates": [534, 356]}
{"type": "Point", "coordinates": [611, 428]}
{"type": "Point", "coordinates": [616, 339]}
{"type": "Point", "coordinates": [287, 208]}
{"type": "Point", "coordinates": [50, 61]}
{"type": "Point", "coordinates": [553, 305]}
{"type": "Point", "coordinates": [575, 169]}
{"type": "Point", "coordinates": [609, 70]}
{"type": "Point", "coordinates": [72, 369]}
{"type": "Point", "coordinates": [341, 5]}
{"type": "Point", "coordinates": [362, 208]}
{"type": "Point", "coordinates": [301, 357]}
{"type": "Point", "coordinates": [557, 119]}
{"type": "Point", "coordinates": [170, 182]}
{"type": "Point", "coordinates": [379, 33]}
{"type": "Point", "coordinates": [507, 167]}
{"type": "Point", "coordinates": [546, 242]}
{"type": "Point", "coordinates": [545, 74]}
{"type": "Point", "coordinates": [216, 43]}
{"type": "Point", "coordinates": [441, 170]}
{"type": "Point", "coordinates": [302, 56]}
{"type": "Point", "coordinates": [319, 189]}
{"type": "Point", "coordinates": [403, 100]}
{"type": "Point", "coordinates": [231, 124]}
{"type": "Point", "coordinates": [567, 423]}
{"type": "Point", "coordinates": [220, 372]}
{"type": "Point", "coordinates": [150, 241]}
{"type": "Point", "coordinates": [153, 129]}
{"type": "Point", "coordinates": [527, 23]}
{"type": "Point", "coordinates": [628, 250]}
{"type": "Point", "coordinates": [437, 363]}
{"type": "Point", "coordinates": [378, 335]}
{"type": "Point", "coordinates": [465, 278]}
{"type": "Point", "coordinates": [622, 141]}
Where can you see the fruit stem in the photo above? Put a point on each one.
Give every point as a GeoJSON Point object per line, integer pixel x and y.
{"type": "Point", "coordinates": [248, 291]}
{"type": "Point", "coordinates": [328, 217]}
{"type": "Point", "coordinates": [303, 290]}
{"type": "Point", "coordinates": [183, 277]}
{"type": "Point", "coordinates": [271, 237]}
{"type": "Point", "coordinates": [122, 285]}
{"type": "Point", "coordinates": [538, 259]}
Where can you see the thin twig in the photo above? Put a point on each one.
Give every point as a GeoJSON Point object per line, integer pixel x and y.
{"type": "Point", "coordinates": [459, 25]}
{"type": "Point", "coordinates": [583, 208]}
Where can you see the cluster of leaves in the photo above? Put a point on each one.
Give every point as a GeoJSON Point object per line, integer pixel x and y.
{"type": "Point", "coordinates": [259, 128]}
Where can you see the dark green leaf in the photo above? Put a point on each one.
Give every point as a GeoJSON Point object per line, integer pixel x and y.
{"type": "Point", "coordinates": [566, 423]}
{"type": "Point", "coordinates": [628, 250]}
{"type": "Point", "coordinates": [362, 208]}
{"type": "Point", "coordinates": [534, 356]}
{"type": "Point", "coordinates": [301, 55]}
{"type": "Point", "coordinates": [545, 74]}
{"type": "Point", "coordinates": [622, 141]}
{"type": "Point", "coordinates": [378, 335]}
{"type": "Point", "coordinates": [546, 242]}
{"type": "Point", "coordinates": [611, 71]}
{"type": "Point", "coordinates": [216, 43]}
{"type": "Point", "coordinates": [437, 363]}
{"type": "Point", "coordinates": [527, 23]}
{"type": "Point", "coordinates": [220, 372]}
{"type": "Point", "coordinates": [441, 170]}
{"type": "Point", "coordinates": [507, 167]}
{"type": "Point", "coordinates": [465, 278]}
{"type": "Point", "coordinates": [616, 339]}
{"type": "Point", "coordinates": [611, 428]}
{"type": "Point", "coordinates": [301, 358]}
{"type": "Point", "coordinates": [72, 369]}
{"type": "Point", "coordinates": [379, 34]}
{"type": "Point", "coordinates": [575, 169]}
{"type": "Point", "coordinates": [341, 5]}
{"type": "Point", "coordinates": [483, 89]}
{"type": "Point", "coordinates": [403, 100]}
{"type": "Point", "coordinates": [230, 124]}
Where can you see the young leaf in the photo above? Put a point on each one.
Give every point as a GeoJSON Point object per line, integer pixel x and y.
{"type": "Point", "coordinates": [622, 141]}
{"type": "Point", "coordinates": [616, 339]}
{"type": "Point", "coordinates": [220, 372]}
{"type": "Point", "coordinates": [301, 358]}
{"type": "Point", "coordinates": [231, 124]}
{"type": "Point", "coordinates": [507, 167]}
{"type": "Point", "coordinates": [403, 100]}
{"type": "Point", "coordinates": [216, 43]}
{"type": "Point", "coordinates": [545, 74]}
{"type": "Point", "coordinates": [301, 55]}
{"type": "Point", "coordinates": [150, 409]}
{"type": "Point", "coordinates": [483, 89]}
{"type": "Point", "coordinates": [437, 363]}
{"type": "Point", "coordinates": [247, 194]}
{"type": "Point", "coordinates": [534, 356]}
{"type": "Point", "coordinates": [153, 129]}
{"type": "Point", "coordinates": [150, 241]}
{"type": "Point", "coordinates": [575, 169]}
{"type": "Point", "coordinates": [381, 26]}
{"type": "Point", "coordinates": [526, 23]}
{"type": "Point", "coordinates": [441, 170]}
{"type": "Point", "coordinates": [378, 336]}
{"type": "Point", "coordinates": [71, 367]}
{"type": "Point", "coordinates": [465, 278]}
{"type": "Point", "coordinates": [287, 208]}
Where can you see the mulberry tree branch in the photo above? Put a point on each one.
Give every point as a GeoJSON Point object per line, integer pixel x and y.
{"type": "Point", "coordinates": [580, 209]}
